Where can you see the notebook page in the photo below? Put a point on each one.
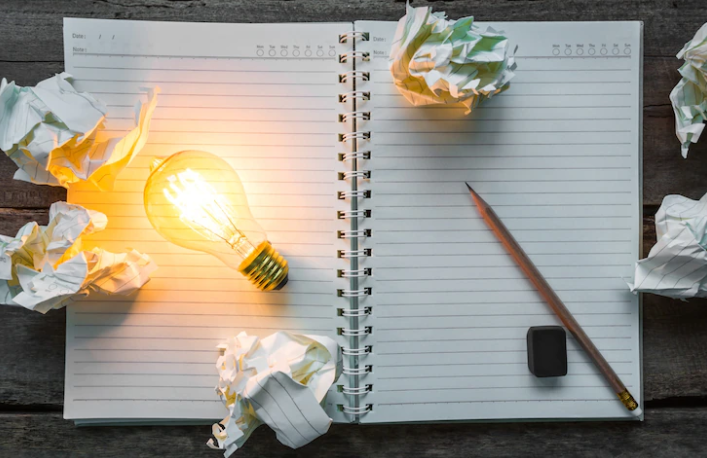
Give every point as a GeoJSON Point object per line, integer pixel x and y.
{"type": "Point", "coordinates": [264, 98]}
{"type": "Point", "coordinates": [558, 157]}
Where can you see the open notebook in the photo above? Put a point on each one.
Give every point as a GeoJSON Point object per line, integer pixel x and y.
{"type": "Point", "coordinates": [442, 309]}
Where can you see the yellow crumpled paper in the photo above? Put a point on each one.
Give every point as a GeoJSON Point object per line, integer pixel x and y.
{"type": "Point", "coordinates": [43, 267]}
{"type": "Point", "coordinates": [436, 60]}
{"type": "Point", "coordinates": [281, 381]}
{"type": "Point", "coordinates": [50, 131]}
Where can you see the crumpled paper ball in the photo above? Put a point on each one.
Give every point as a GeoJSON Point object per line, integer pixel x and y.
{"type": "Point", "coordinates": [281, 381]}
{"type": "Point", "coordinates": [689, 96]}
{"type": "Point", "coordinates": [44, 267]}
{"type": "Point", "coordinates": [50, 132]}
{"type": "Point", "coordinates": [677, 265]}
{"type": "Point", "coordinates": [436, 60]}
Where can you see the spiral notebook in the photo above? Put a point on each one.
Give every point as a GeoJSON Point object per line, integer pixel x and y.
{"type": "Point", "coordinates": [364, 195]}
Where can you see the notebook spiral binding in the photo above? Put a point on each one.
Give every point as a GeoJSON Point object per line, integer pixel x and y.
{"type": "Point", "coordinates": [342, 195]}
{"type": "Point", "coordinates": [359, 371]}
{"type": "Point", "coordinates": [356, 332]}
{"type": "Point", "coordinates": [358, 273]}
{"type": "Point", "coordinates": [353, 35]}
{"type": "Point", "coordinates": [354, 155]}
{"type": "Point", "coordinates": [358, 391]}
{"type": "Point", "coordinates": [363, 351]}
{"type": "Point", "coordinates": [359, 234]}
{"type": "Point", "coordinates": [353, 55]}
{"type": "Point", "coordinates": [349, 214]}
{"type": "Point", "coordinates": [353, 74]}
{"type": "Point", "coordinates": [354, 312]}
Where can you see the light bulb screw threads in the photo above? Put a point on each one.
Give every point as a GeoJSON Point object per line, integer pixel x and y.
{"type": "Point", "coordinates": [265, 268]}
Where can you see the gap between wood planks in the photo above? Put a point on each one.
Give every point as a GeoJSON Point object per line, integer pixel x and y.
{"type": "Point", "coordinates": [667, 403]}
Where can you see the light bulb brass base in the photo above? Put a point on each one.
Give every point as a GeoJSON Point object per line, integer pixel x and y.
{"type": "Point", "coordinates": [265, 268]}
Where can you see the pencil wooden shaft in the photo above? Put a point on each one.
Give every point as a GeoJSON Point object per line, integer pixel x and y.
{"type": "Point", "coordinates": [546, 291]}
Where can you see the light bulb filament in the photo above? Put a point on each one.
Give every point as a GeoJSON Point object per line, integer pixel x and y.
{"type": "Point", "coordinates": [204, 210]}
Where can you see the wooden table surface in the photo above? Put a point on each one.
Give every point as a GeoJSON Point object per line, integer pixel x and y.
{"type": "Point", "coordinates": [675, 333]}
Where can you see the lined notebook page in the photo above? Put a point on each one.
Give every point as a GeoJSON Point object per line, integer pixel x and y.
{"type": "Point", "coordinates": [264, 98]}
{"type": "Point", "coordinates": [558, 157]}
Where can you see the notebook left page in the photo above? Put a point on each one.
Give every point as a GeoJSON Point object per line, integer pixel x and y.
{"type": "Point", "coordinates": [263, 97]}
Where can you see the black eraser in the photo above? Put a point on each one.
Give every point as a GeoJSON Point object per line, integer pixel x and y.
{"type": "Point", "coordinates": [547, 351]}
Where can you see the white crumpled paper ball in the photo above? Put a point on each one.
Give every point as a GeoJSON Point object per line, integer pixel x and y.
{"type": "Point", "coordinates": [436, 60]}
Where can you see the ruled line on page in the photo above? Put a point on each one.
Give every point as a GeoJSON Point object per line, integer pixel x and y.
{"type": "Point", "coordinates": [548, 95]}
{"type": "Point", "coordinates": [453, 107]}
{"type": "Point", "coordinates": [492, 339]}
{"type": "Point", "coordinates": [227, 108]}
{"type": "Point", "coordinates": [210, 374]}
{"type": "Point", "coordinates": [148, 350]}
{"type": "Point", "coordinates": [547, 70]}
{"type": "Point", "coordinates": [394, 390]}
{"type": "Point", "coordinates": [471, 302]}
{"type": "Point", "coordinates": [240, 83]}
{"type": "Point", "coordinates": [179, 400]}
{"type": "Point", "coordinates": [489, 363]}
{"type": "Point", "coordinates": [471, 376]}
{"type": "Point", "coordinates": [499, 401]}
{"type": "Point", "coordinates": [179, 56]}
{"type": "Point", "coordinates": [197, 327]}
{"type": "Point", "coordinates": [154, 118]}
{"type": "Point", "coordinates": [494, 315]}
{"type": "Point", "coordinates": [146, 386]}
{"type": "Point", "coordinates": [515, 83]}
{"type": "Point", "coordinates": [493, 327]}
{"type": "Point", "coordinates": [202, 70]}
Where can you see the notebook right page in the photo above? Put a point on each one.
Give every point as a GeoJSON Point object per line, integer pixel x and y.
{"type": "Point", "coordinates": [558, 156]}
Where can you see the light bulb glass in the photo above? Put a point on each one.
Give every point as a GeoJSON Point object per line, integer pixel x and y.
{"type": "Point", "coordinates": [196, 200]}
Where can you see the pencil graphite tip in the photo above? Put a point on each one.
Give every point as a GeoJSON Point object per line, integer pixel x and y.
{"type": "Point", "coordinates": [477, 198]}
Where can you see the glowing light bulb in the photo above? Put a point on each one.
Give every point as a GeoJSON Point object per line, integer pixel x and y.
{"type": "Point", "coordinates": [196, 200]}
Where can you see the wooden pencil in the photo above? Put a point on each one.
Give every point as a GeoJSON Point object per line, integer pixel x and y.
{"type": "Point", "coordinates": [555, 303]}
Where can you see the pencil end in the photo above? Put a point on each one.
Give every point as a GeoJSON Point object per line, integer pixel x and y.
{"type": "Point", "coordinates": [637, 412]}
{"type": "Point", "coordinates": [630, 403]}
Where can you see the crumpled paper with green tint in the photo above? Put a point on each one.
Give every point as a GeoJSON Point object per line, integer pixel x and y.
{"type": "Point", "coordinates": [44, 267]}
{"type": "Point", "coordinates": [436, 60]}
{"type": "Point", "coordinates": [689, 97]}
{"type": "Point", "coordinates": [677, 264]}
{"type": "Point", "coordinates": [50, 132]}
{"type": "Point", "coordinates": [281, 381]}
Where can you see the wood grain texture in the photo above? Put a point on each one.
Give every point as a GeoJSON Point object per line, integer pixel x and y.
{"type": "Point", "coordinates": [675, 336]}
{"type": "Point", "coordinates": [11, 219]}
{"type": "Point", "coordinates": [666, 21]}
{"type": "Point", "coordinates": [32, 358]}
{"type": "Point", "coordinates": [666, 432]}
{"type": "Point", "coordinates": [21, 194]}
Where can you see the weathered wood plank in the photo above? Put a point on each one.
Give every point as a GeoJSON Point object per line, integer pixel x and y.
{"type": "Point", "coordinates": [32, 363]}
{"type": "Point", "coordinates": [667, 432]}
{"type": "Point", "coordinates": [12, 219]}
{"type": "Point", "coordinates": [674, 350]}
{"type": "Point", "coordinates": [674, 340]}
{"type": "Point", "coordinates": [21, 194]}
{"type": "Point", "coordinates": [668, 24]}
{"type": "Point", "coordinates": [664, 169]}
